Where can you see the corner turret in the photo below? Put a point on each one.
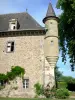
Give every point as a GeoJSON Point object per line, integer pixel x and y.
{"type": "Point", "coordinates": [51, 43]}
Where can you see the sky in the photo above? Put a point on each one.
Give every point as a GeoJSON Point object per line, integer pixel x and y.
{"type": "Point", "coordinates": [37, 9]}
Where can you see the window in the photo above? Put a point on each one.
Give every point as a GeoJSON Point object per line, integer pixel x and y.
{"type": "Point", "coordinates": [14, 27]}
{"type": "Point", "coordinates": [10, 46]}
{"type": "Point", "coordinates": [52, 42]}
{"type": "Point", "coordinates": [25, 83]}
{"type": "Point", "coordinates": [50, 22]}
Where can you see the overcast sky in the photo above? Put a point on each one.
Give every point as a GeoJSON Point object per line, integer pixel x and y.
{"type": "Point", "coordinates": [37, 9]}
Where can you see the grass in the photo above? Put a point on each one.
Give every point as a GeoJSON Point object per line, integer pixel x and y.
{"type": "Point", "coordinates": [71, 94]}
{"type": "Point", "coordinates": [31, 99]}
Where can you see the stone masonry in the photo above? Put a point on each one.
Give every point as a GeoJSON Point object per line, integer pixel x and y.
{"type": "Point", "coordinates": [29, 54]}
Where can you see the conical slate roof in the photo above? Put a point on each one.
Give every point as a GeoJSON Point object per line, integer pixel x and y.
{"type": "Point", "coordinates": [50, 11]}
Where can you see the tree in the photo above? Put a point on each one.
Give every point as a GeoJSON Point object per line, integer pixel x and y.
{"type": "Point", "coordinates": [67, 29]}
{"type": "Point", "coordinates": [58, 76]}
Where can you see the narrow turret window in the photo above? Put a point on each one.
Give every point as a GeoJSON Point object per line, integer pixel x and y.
{"type": "Point", "coordinates": [50, 22]}
{"type": "Point", "coordinates": [51, 43]}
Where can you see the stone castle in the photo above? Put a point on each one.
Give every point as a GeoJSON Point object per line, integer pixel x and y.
{"type": "Point", "coordinates": [25, 43]}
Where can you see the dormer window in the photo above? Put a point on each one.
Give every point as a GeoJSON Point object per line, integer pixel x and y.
{"type": "Point", "coordinates": [13, 24]}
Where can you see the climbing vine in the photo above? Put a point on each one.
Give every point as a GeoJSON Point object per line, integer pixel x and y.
{"type": "Point", "coordinates": [16, 71]}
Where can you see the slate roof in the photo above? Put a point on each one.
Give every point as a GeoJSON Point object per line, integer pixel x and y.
{"type": "Point", "coordinates": [25, 21]}
{"type": "Point", "coordinates": [50, 11]}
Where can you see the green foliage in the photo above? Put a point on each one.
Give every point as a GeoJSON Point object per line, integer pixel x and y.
{"type": "Point", "coordinates": [47, 91]}
{"type": "Point", "coordinates": [69, 83]}
{"type": "Point", "coordinates": [10, 75]}
{"type": "Point", "coordinates": [68, 79]}
{"type": "Point", "coordinates": [38, 89]}
{"type": "Point", "coordinates": [53, 91]}
{"type": "Point", "coordinates": [67, 29]}
{"type": "Point", "coordinates": [62, 93]}
{"type": "Point", "coordinates": [15, 71]}
{"type": "Point", "coordinates": [3, 77]}
{"type": "Point", "coordinates": [58, 76]}
{"type": "Point", "coordinates": [62, 85]}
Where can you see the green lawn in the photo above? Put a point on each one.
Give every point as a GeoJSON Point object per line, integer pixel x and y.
{"type": "Point", "coordinates": [31, 99]}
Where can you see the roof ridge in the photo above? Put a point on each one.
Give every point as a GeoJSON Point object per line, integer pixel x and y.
{"type": "Point", "coordinates": [13, 13]}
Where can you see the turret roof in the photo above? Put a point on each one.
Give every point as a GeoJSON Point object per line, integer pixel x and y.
{"type": "Point", "coordinates": [50, 11]}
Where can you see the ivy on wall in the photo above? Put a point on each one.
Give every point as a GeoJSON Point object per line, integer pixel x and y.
{"type": "Point", "coordinates": [16, 71]}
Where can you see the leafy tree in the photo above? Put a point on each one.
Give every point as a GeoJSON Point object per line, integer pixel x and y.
{"type": "Point", "coordinates": [67, 29]}
{"type": "Point", "coordinates": [58, 76]}
{"type": "Point", "coordinates": [68, 79]}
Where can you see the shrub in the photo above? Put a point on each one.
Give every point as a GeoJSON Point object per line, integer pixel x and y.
{"type": "Point", "coordinates": [53, 91]}
{"type": "Point", "coordinates": [47, 91]}
{"type": "Point", "coordinates": [62, 85]}
{"type": "Point", "coordinates": [62, 93]}
{"type": "Point", "coordinates": [38, 89]}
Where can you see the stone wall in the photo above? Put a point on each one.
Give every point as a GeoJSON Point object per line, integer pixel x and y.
{"type": "Point", "coordinates": [29, 54]}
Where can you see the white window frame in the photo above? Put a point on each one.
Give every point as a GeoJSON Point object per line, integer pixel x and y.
{"type": "Point", "coordinates": [9, 46]}
{"type": "Point", "coordinates": [25, 83]}
{"type": "Point", "coordinates": [13, 24]}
